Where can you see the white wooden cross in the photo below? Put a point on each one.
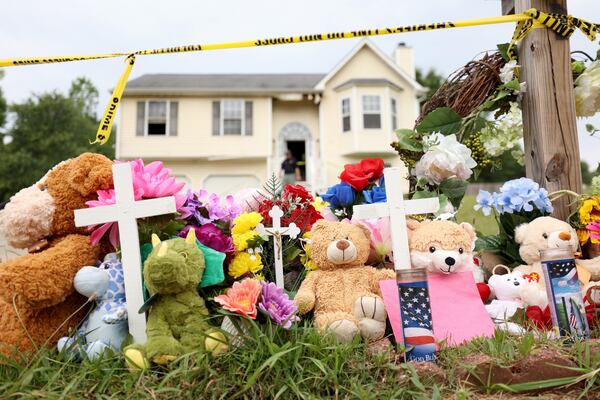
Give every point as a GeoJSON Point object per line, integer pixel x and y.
{"type": "Point", "coordinates": [125, 212]}
{"type": "Point", "coordinates": [397, 209]}
{"type": "Point", "coordinates": [277, 231]}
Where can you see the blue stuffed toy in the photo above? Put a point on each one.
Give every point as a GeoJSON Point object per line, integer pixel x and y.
{"type": "Point", "coordinates": [106, 326]}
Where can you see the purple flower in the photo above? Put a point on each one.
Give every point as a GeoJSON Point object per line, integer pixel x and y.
{"type": "Point", "coordinates": [202, 208]}
{"type": "Point", "coordinates": [211, 236]}
{"type": "Point", "coordinates": [276, 303]}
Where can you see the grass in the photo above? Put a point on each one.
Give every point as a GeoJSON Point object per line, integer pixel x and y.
{"type": "Point", "coordinates": [298, 363]}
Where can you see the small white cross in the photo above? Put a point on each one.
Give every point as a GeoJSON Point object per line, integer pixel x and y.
{"type": "Point", "coordinates": [277, 231]}
{"type": "Point", "coordinates": [397, 209]}
{"type": "Point", "coordinates": [125, 212]}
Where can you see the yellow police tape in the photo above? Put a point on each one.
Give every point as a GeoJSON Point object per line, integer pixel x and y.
{"type": "Point", "coordinates": [106, 123]}
{"type": "Point", "coordinates": [561, 24]}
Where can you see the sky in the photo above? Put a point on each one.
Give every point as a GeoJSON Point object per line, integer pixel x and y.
{"type": "Point", "coordinates": [65, 27]}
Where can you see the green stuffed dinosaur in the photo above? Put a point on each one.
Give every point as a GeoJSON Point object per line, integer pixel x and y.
{"type": "Point", "coordinates": [177, 319]}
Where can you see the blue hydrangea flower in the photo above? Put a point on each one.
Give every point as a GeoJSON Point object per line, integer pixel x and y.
{"type": "Point", "coordinates": [375, 195]}
{"type": "Point", "coordinates": [485, 202]}
{"type": "Point", "coordinates": [340, 195]}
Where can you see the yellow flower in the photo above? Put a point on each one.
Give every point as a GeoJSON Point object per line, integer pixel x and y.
{"type": "Point", "coordinates": [318, 203]}
{"type": "Point", "coordinates": [245, 222]}
{"type": "Point", "coordinates": [583, 236]}
{"type": "Point", "coordinates": [240, 241]}
{"type": "Point", "coordinates": [259, 277]}
{"type": "Point", "coordinates": [589, 210]}
{"type": "Point", "coordinates": [306, 258]}
{"type": "Point", "coordinates": [244, 263]}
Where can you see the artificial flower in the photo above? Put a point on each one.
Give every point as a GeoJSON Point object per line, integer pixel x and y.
{"type": "Point", "coordinates": [304, 217]}
{"type": "Point", "coordinates": [297, 193]}
{"type": "Point", "coordinates": [444, 158]}
{"type": "Point", "coordinates": [241, 298]}
{"type": "Point", "coordinates": [589, 211]}
{"type": "Point", "coordinates": [373, 167]}
{"type": "Point", "coordinates": [540, 319]}
{"type": "Point", "coordinates": [248, 199]}
{"type": "Point", "coordinates": [245, 222]}
{"type": "Point", "coordinates": [202, 208]}
{"type": "Point", "coordinates": [240, 240]}
{"type": "Point", "coordinates": [587, 91]}
{"type": "Point", "coordinates": [515, 196]}
{"type": "Point", "coordinates": [306, 256]}
{"type": "Point", "coordinates": [211, 236]}
{"type": "Point", "coordinates": [340, 195]}
{"type": "Point", "coordinates": [375, 195]}
{"type": "Point", "coordinates": [504, 134]}
{"type": "Point", "coordinates": [485, 202]}
{"type": "Point", "coordinates": [381, 236]}
{"type": "Point", "coordinates": [277, 305]}
{"type": "Point", "coordinates": [244, 263]}
{"type": "Point", "coordinates": [150, 181]}
{"type": "Point", "coordinates": [319, 203]}
{"type": "Point", "coordinates": [354, 175]}
{"type": "Point", "coordinates": [507, 72]}
{"type": "Point", "coordinates": [594, 231]}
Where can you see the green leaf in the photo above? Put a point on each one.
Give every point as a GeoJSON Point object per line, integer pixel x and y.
{"type": "Point", "coordinates": [503, 50]}
{"type": "Point", "coordinates": [493, 244]}
{"type": "Point", "coordinates": [443, 199]}
{"type": "Point", "coordinates": [513, 85]}
{"type": "Point", "coordinates": [409, 140]}
{"type": "Point", "coordinates": [455, 189]}
{"type": "Point", "coordinates": [424, 194]}
{"type": "Point", "coordinates": [443, 120]}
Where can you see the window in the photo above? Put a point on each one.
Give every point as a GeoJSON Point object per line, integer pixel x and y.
{"type": "Point", "coordinates": [371, 112]}
{"type": "Point", "coordinates": [394, 113]}
{"type": "Point", "coordinates": [157, 118]}
{"type": "Point", "coordinates": [232, 117]}
{"type": "Point", "coordinates": [346, 124]}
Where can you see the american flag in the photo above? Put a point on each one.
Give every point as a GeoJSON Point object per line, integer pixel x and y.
{"type": "Point", "coordinates": [414, 305]}
{"type": "Point", "coordinates": [560, 268]}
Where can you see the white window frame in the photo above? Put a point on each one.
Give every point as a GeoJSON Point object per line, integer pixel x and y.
{"type": "Point", "coordinates": [167, 116]}
{"type": "Point", "coordinates": [394, 112]}
{"type": "Point", "coordinates": [222, 118]}
{"type": "Point", "coordinates": [371, 113]}
{"type": "Point", "coordinates": [348, 114]}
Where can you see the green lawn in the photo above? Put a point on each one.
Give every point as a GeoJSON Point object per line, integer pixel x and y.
{"type": "Point", "coordinates": [284, 364]}
{"type": "Point", "coordinates": [483, 224]}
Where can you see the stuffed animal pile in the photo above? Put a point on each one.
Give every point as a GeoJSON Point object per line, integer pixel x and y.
{"type": "Point", "coordinates": [38, 303]}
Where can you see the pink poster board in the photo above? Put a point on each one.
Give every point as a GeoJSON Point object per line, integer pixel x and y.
{"type": "Point", "coordinates": [456, 308]}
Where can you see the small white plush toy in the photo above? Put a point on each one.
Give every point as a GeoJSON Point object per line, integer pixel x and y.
{"type": "Point", "coordinates": [509, 290]}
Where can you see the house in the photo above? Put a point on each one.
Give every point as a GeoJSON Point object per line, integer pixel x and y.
{"type": "Point", "coordinates": [225, 132]}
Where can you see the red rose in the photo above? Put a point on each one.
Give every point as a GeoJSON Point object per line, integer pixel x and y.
{"type": "Point", "coordinates": [541, 319]}
{"type": "Point", "coordinates": [299, 191]}
{"type": "Point", "coordinates": [373, 167]}
{"type": "Point", "coordinates": [304, 218]}
{"type": "Point", "coordinates": [355, 177]}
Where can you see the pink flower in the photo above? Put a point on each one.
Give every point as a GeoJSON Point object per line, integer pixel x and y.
{"type": "Point", "coordinates": [594, 229]}
{"type": "Point", "coordinates": [241, 298]}
{"type": "Point", "coordinates": [381, 235]}
{"type": "Point", "coordinates": [149, 182]}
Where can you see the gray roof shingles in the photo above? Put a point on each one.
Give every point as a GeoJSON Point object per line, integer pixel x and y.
{"type": "Point", "coordinates": [223, 83]}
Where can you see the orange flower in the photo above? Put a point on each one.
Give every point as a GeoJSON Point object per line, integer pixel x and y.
{"type": "Point", "coordinates": [241, 298]}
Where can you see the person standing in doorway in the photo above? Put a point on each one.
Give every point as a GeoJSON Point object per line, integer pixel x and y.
{"type": "Point", "coordinates": [290, 172]}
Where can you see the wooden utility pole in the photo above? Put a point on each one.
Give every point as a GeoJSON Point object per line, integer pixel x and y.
{"type": "Point", "coordinates": [549, 120]}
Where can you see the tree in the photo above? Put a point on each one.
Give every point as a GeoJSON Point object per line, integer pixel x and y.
{"type": "Point", "coordinates": [3, 106]}
{"type": "Point", "coordinates": [49, 128]}
{"type": "Point", "coordinates": [431, 80]}
{"type": "Point", "coordinates": [586, 174]}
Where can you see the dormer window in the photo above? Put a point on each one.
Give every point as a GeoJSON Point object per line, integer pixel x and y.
{"type": "Point", "coordinates": [371, 107]}
{"type": "Point", "coordinates": [346, 123]}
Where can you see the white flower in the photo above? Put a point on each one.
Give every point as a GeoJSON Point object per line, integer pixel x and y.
{"type": "Point", "coordinates": [444, 158]}
{"type": "Point", "coordinates": [587, 91]}
{"type": "Point", "coordinates": [504, 134]}
{"type": "Point", "coordinates": [507, 73]}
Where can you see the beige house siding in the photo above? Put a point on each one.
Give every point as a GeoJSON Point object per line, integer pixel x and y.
{"type": "Point", "coordinates": [194, 133]}
{"type": "Point", "coordinates": [219, 163]}
{"type": "Point", "coordinates": [340, 147]}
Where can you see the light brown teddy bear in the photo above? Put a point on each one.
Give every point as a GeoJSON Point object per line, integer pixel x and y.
{"type": "Point", "coordinates": [549, 233]}
{"type": "Point", "coordinates": [343, 292]}
{"type": "Point", "coordinates": [37, 298]}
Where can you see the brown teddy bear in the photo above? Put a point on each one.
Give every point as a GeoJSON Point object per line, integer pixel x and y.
{"type": "Point", "coordinates": [343, 292]}
{"type": "Point", "coordinates": [38, 303]}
